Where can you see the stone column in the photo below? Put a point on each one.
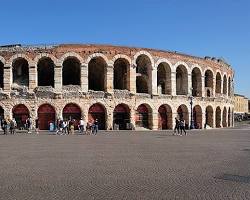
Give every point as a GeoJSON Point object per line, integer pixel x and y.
{"type": "Point", "coordinates": [214, 88]}
{"type": "Point", "coordinates": [221, 88]}
{"type": "Point", "coordinates": [214, 118]}
{"type": "Point", "coordinates": [132, 79]}
{"type": "Point", "coordinates": [203, 92]}
{"type": "Point", "coordinates": [173, 83]}
{"type": "Point", "coordinates": [32, 77]}
{"type": "Point", "coordinates": [109, 79]}
{"type": "Point", "coordinates": [154, 82]}
{"type": "Point", "coordinates": [203, 119]}
{"type": "Point", "coordinates": [7, 78]}
{"type": "Point", "coordinates": [109, 122]}
{"type": "Point", "coordinates": [58, 77]}
{"type": "Point", "coordinates": [189, 86]}
{"type": "Point", "coordinates": [133, 116]}
{"type": "Point", "coordinates": [84, 77]}
{"type": "Point", "coordinates": [154, 120]}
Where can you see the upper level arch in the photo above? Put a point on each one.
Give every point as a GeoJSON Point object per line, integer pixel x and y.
{"type": "Point", "coordinates": [71, 54]}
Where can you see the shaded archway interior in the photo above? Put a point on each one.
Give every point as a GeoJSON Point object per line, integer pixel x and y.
{"type": "Point", "coordinates": [218, 117]}
{"type": "Point", "coordinates": [183, 114]}
{"type": "Point", "coordinates": [209, 83]}
{"type": "Point", "coordinates": [121, 74]}
{"type": "Point", "coordinates": [121, 116]}
{"type": "Point", "coordinates": [164, 79]}
{"type": "Point", "coordinates": [196, 82]}
{"type": "Point", "coordinates": [72, 112]}
{"type": "Point", "coordinates": [209, 116]}
{"type": "Point", "coordinates": [97, 111]}
{"type": "Point", "coordinates": [20, 113]}
{"type": "Point", "coordinates": [71, 72]}
{"type": "Point", "coordinates": [45, 71]}
{"type": "Point", "coordinates": [197, 117]}
{"type": "Point", "coordinates": [46, 115]}
{"type": "Point", "coordinates": [218, 83]}
{"type": "Point", "coordinates": [143, 116]}
{"type": "Point", "coordinates": [20, 71]}
{"type": "Point", "coordinates": [181, 80]}
{"type": "Point", "coordinates": [165, 117]}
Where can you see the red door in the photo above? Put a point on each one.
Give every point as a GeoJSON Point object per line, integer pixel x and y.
{"type": "Point", "coordinates": [97, 111]}
{"type": "Point", "coordinates": [21, 114]}
{"type": "Point", "coordinates": [46, 114]}
{"type": "Point", "coordinates": [162, 121]}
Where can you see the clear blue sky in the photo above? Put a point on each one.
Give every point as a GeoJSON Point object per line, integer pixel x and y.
{"type": "Point", "coordinates": [219, 28]}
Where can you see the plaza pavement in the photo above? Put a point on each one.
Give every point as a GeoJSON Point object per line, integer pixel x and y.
{"type": "Point", "coordinates": [212, 164]}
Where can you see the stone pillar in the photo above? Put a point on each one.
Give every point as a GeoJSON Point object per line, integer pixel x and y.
{"type": "Point", "coordinates": [221, 88]}
{"type": "Point", "coordinates": [203, 92]}
{"type": "Point", "coordinates": [58, 77]}
{"type": "Point", "coordinates": [84, 77]}
{"type": "Point", "coordinates": [214, 118]}
{"type": "Point", "coordinates": [133, 116]}
{"type": "Point", "coordinates": [189, 86]}
{"type": "Point", "coordinates": [154, 120]}
{"type": "Point", "coordinates": [154, 82]}
{"type": "Point", "coordinates": [203, 119]}
{"type": "Point", "coordinates": [7, 78]}
{"type": "Point", "coordinates": [109, 79]}
{"type": "Point", "coordinates": [32, 77]}
{"type": "Point", "coordinates": [173, 83]}
{"type": "Point", "coordinates": [109, 122]}
{"type": "Point", "coordinates": [132, 79]}
{"type": "Point", "coordinates": [214, 88]}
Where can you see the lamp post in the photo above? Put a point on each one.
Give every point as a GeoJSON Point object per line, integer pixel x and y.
{"type": "Point", "coordinates": [191, 114]}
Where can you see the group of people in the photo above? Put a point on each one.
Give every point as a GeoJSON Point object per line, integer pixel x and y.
{"type": "Point", "coordinates": [180, 126]}
{"type": "Point", "coordinates": [10, 125]}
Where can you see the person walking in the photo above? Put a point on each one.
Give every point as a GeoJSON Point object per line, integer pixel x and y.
{"type": "Point", "coordinates": [81, 126]}
{"type": "Point", "coordinates": [29, 124]}
{"type": "Point", "coordinates": [95, 127]}
{"type": "Point", "coordinates": [177, 126]}
{"type": "Point", "coordinates": [37, 125]}
{"type": "Point", "coordinates": [182, 126]}
{"type": "Point", "coordinates": [71, 127]}
{"type": "Point", "coordinates": [12, 126]}
{"type": "Point", "coordinates": [5, 125]}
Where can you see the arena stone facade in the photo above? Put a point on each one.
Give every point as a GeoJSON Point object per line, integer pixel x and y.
{"type": "Point", "coordinates": [118, 85]}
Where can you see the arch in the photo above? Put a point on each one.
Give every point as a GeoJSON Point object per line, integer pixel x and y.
{"type": "Point", "coordinates": [143, 53]}
{"type": "Point", "coordinates": [229, 86]}
{"type": "Point", "coordinates": [165, 117]}
{"type": "Point", "coordinates": [46, 114]}
{"type": "Point", "coordinates": [229, 117]}
{"type": "Point", "coordinates": [196, 82]}
{"type": "Point", "coordinates": [224, 117]}
{"type": "Point", "coordinates": [99, 55]}
{"type": "Point", "coordinates": [45, 72]}
{"type": "Point", "coordinates": [143, 116]}
{"type": "Point", "coordinates": [45, 55]}
{"type": "Point", "coordinates": [218, 117]}
{"type": "Point", "coordinates": [143, 74]}
{"type": "Point", "coordinates": [71, 72]}
{"type": "Point", "coordinates": [197, 117]}
{"type": "Point", "coordinates": [209, 116]}
{"type": "Point", "coordinates": [164, 78]}
{"type": "Point", "coordinates": [224, 84]}
{"type": "Point", "coordinates": [71, 55]}
{"type": "Point", "coordinates": [20, 72]}
{"type": "Point", "coordinates": [20, 56]}
{"type": "Point", "coordinates": [97, 111]}
{"type": "Point", "coordinates": [21, 113]}
{"type": "Point", "coordinates": [121, 74]}
{"type": "Point", "coordinates": [181, 80]}
{"type": "Point", "coordinates": [125, 57]}
{"type": "Point", "coordinates": [1, 74]}
{"type": "Point", "coordinates": [218, 83]}
{"type": "Point", "coordinates": [72, 111]}
{"type": "Point", "coordinates": [97, 74]}
{"type": "Point", "coordinates": [121, 116]}
{"type": "Point", "coordinates": [183, 113]}
{"type": "Point", "coordinates": [209, 82]}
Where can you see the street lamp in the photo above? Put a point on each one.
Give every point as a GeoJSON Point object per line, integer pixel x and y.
{"type": "Point", "coordinates": [191, 114]}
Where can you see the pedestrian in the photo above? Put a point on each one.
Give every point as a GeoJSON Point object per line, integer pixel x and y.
{"type": "Point", "coordinates": [5, 125]}
{"type": "Point", "coordinates": [81, 126]}
{"type": "Point", "coordinates": [64, 127]}
{"type": "Point", "coordinates": [177, 126]}
{"type": "Point", "coordinates": [37, 125]}
{"type": "Point", "coordinates": [29, 124]}
{"type": "Point", "coordinates": [88, 128]}
{"type": "Point", "coordinates": [182, 126]}
{"type": "Point", "coordinates": [71, 127]}
{"type": "Point", "coordinates": [95, 127]}
{"type": "Point", "coordinates": [12, 126]}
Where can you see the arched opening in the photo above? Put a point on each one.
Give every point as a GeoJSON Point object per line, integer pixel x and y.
{"type": "Point", "coordinates": [143, 74]}
{"type": "Point", "coordinates": [196, 82]}
{"type": "Point", "coordinates": [218, 83]}
{"type": "Point", "coordinates": [164, 79]}
{"type": "Point", "coordinates": [72, 112]}
{"type": "Point", "coordinates": [165, 117]}
{"type": "Point", "coordinates": [209, 116]}
{"type": "Point", "coordinates": [97, 69]}
{"type": "Point", "coordinates": [121, 117]}
{"type": "Point", "coordinates": [209, 79]}
{"type": "Point", "coordinates": [21, 113]}
{"type": "Point", "coordinates": [20, 72]}
{"type": "Point", "coordinates": [181, 80]}
{"type": "Point", "coordinates": [182, 112]}
{"type": "Point", "coordinates": [71, 72]}
{"type": "Point", "coordinates": [229, 86]}
{"type": "Point", "coordinates": [45, 72]}
{"type": "Point", "coordinates": [1, 114]}
{"type": "Point", "coordinates": [46, 114]}
{"type": "Point", "coordinates": [143, 116]}
{"type": "Point", "coordinates": [224, 117]}
{"type": "Point", "coordinates": [97, 111]}
{"type": "Point", "coordinates": [224, 84]}
{"type": "Point", "coordinates": [197, 115]}
{"type": "Point", "coordinates": [1, 74]}
{"type": "Point", "coordinates": [229, 117]}
{"type": "Point", "coordinates": [218, 117]}
{"type": "Point", "coordinates": [121, 74]}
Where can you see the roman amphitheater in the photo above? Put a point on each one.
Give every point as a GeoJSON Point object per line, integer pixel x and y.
{"type": "Point", "coordinates": [122, 87]}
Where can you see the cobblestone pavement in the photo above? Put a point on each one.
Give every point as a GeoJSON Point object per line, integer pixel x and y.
{"type": "Point", "coordinates": [212, 164]}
